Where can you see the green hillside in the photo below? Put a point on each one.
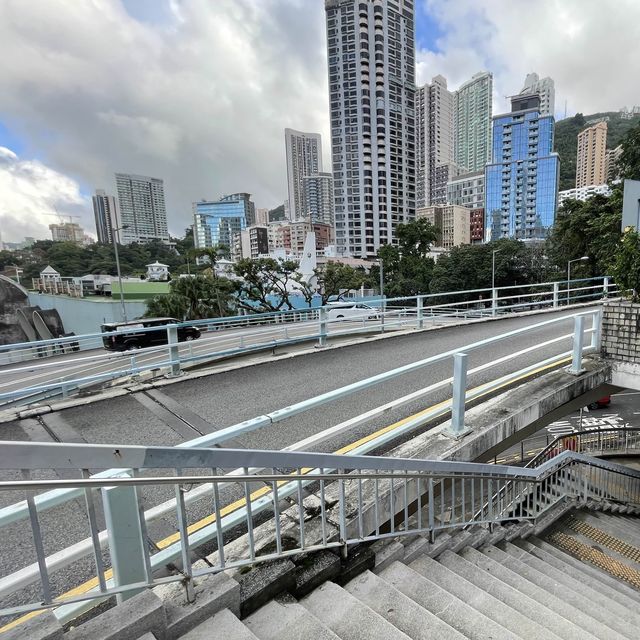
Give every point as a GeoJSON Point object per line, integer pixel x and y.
{"type": "Point", "coordinates": [566, 140]}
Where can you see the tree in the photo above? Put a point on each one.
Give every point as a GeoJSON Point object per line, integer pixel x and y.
{"type": "Point", "coordinates": [407, 266]}
{"type": "Point", "coordinates": [336, 279]}
{"type": "Point", "coordinates": [629, 161]}
{"type": "Point", "coordinates": [265, 283]}
{"type": "Point", "coordinates": [195, 298]}
{"type": "Point", "coordinates": [626, 265]}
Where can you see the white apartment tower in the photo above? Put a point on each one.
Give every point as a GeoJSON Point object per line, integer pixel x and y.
{"type": "Point", "coordinates": [545, 88]}
{"type": "Point", "coordinates": [371, 56]}
{"type": "Point", "coordinates": [472, 122]}
{"type": "Point", "coordinates": [142, 208]}
{"type": "Point", "coordinates": [318, 198]}
{"type": "Point", "coordinates": [304, 157]}
{"type": "Point", "coordinates": [434, 142]}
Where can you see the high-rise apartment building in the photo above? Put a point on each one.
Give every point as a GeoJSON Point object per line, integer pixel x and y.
{"type": "Point", "coordinates": [434, 142]}
{"type": "Point", "coordinates": [591, 158]}
{"type": "Point", "coordinates": [452, 221]}
{"type": "Point", "coordinates": [371, 56]}
{"type": "Point", "coordinates": [105, 211]}
{"type": "Point", "coordinates": [67, 232]}
{"type": "Point", "coordinates": [304, 158]}
{"type": "Point", "coordinates": [219, 222]}
{"type": "Point", "coordinates": [142, 208]}
{"type": "Point", "coordinates": [472, 122]}
{"type": "Point", "coordinates": [262, 216]}
{"type": "Point", "coordinates": [545, 88]}
{"type": "Point", "coordinates": [318, 198]}
{"type": "Point", "coordinates": [611, 168]}
{"type": "Point", "coordinates": [521, 183]}
{"type": "Point", "coordinates": [467, 190]}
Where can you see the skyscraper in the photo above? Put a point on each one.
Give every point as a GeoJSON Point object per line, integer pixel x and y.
{"type": "Point", "coordinates": [318, 198]}
{"type": "Point", "coordinates": [105, 211]}
{"type": "Point", "coordinates": [218, 222]}
{"type": "Point", "coordinates": [472, 122]}
{"type": "Point", "coordinates": [142, 208]}
{"type": "Point", "coordinates": [545, 88]}
{"type": "Point", "coordinates": [591, 165]}
{"type": "Point", "coordinates": [521, 183]}
{"type": "Point", "coordinates": [371, 57]}
{"type": "Point", "coordinates": [304, 157]}
{"type": "Point", "coordinates": [434, 142]}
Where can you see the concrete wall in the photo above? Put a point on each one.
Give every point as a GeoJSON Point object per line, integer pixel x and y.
{"type": "Point", "coordinates": [12, 298]}
{"type": "Point", "coordinates": [85, 315]}
{"type": "Point", "coordinates": [621, 332]}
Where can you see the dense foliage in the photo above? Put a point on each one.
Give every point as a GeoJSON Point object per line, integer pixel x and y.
{"type": "Point", "coordinates": [626, 265]}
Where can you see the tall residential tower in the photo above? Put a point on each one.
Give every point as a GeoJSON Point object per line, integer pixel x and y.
{"type": "Point", "coordinates": [304, 157]}
{"type": "Point", "coordinates": [105, 211]}
{"type": "Point", "coordinates": [142, 208]}
{"type": "Point", "coordinates": [545, 88]}
{"type": "Point", "coordinates": [434, 142]}
{"type": "Point", "coordinates": [472, 122]}
{"type": "Point", "coordinates": [521, 183]}
{"type": "Point", "coordinates": [591, 161]}
{"type": "Point", "coordinates": [371, 56]}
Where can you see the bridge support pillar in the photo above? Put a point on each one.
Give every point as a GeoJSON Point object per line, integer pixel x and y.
{"type": "Point", "coordinates": [457, 429]}
{"type": "Point", "coordinates": [126, 538]}
{"type": "Point", "coordinates": [578, 340]}
{"type": "Point", "coordinates": [174, 354]}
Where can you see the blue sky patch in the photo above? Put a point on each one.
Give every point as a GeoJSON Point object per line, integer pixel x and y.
{"type": "Point", "coordinates": [428, 29]}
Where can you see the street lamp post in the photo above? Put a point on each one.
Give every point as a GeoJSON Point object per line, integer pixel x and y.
{"type": "Point", "coordinates": [583, 259]}
{"type": "Point", "coordinates": [114, 237]}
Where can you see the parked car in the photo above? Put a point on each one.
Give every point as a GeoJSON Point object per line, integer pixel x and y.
{"type": "Point", "coordinates": [351, 311]}
{"type": "Point", "coordinates": [602, 403]}
{"type": "Point", "coordinates": [124, 336]}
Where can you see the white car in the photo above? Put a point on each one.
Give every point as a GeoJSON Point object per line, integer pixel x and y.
{"type": "Point", "coordinates": [351, 311]}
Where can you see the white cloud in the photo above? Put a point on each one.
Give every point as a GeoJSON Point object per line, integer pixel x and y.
{"type": "Point", "coordinates": [200, 95]}
{"type": "Point", "coordinates": [28, 191]}
{"type": "Point", "coordinates": [586, 46]}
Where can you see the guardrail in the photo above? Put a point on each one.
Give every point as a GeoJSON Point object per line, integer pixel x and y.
{"type": "Point", "coordinates": [228, 337]}
{"type": "Point", "coordinates": [56, 497]}
{"type": "Point", "coordinates": [442, 495]}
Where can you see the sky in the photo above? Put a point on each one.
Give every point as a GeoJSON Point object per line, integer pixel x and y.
{"type": "Point", "coordinates": [199, 92]}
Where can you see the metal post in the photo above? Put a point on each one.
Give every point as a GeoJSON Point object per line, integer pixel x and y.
{"type": "Point", "coordinates": [174, 354]}
{"type": "Point", "coordinates": [420, 313]}
{"type": "Point", "coordinates": [578, 338]}
{"type": "Point", "coordinates": [382, 304]}
{"type": "Point", "coordinates": [457, 428]}
{"type": "Point", "coordinates": [126, 542]}
{"type": "Point", "coordinates": [556, 292]}
{"type": "Point", "coordinates": [322, 339]}
{"type": "Point", "coordinates": [596, 334]}
{"type": "Point", "coordinates": [494, 301]}
{"type": "Point", "coordinates": [115, 248]}
{"type": "Point", "coordinates": [605, 287]}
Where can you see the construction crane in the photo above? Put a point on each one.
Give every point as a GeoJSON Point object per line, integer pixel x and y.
{"type": "Point", "coordinates": [61, 218]}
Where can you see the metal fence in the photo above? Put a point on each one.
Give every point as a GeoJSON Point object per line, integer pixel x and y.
{"type": "Point", "coordinates": [203, 491]}
{"type": "Point", "coordinates": [375, 497]}
{"type": "Point", "coordinates": [47, 377]}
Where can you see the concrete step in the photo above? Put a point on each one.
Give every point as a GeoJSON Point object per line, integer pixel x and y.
{"type": "Point", "coordinates": [286, 621]}
{"type": "Point", "coordinates": [520, 602]}
{"type": "Point", "coordinates": [479, 598]}
{"type": "Point", "coordinates": [572, 602]}
{"type": "Point", "coordinates": [347, 617]}
{"type": "Point", "coordinates": [595, 572]}
{"type": "Point", "coordinates": [224, 625]}
{"type": "Point", "coordinates": [566, 622]}
{"type": "Point", "coordinates": [614, 525]}
{"type": "Point", "coordinates": [586, 595]}
{"type": "Point", "coordinates": [450, 609]}
{"type": "Point", "coordinates": [402, 612]}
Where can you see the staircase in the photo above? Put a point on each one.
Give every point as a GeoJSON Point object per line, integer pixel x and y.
{"type": "Point", "coordinates": [578, 580]}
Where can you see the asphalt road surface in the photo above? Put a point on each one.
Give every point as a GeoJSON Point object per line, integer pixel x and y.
{"type": "Point", "coordinates": [189, 408]}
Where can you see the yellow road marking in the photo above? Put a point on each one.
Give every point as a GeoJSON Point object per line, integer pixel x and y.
{"type": "Point", "coordinates": [196, 526]}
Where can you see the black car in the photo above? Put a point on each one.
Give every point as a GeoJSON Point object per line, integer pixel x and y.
{"type": "Point", "coordinates": [129, 335]}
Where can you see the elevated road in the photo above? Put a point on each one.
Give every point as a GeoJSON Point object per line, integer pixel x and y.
{"type": "Point", "coordinates": [188, 408]}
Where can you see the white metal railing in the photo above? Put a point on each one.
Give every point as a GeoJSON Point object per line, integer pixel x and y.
{"type": "Point", "coordinates": [23, 383]}
{"type": "Point", "coordinates": [59, 496]}
{"type": "Point", "coordinates": [376, 497]}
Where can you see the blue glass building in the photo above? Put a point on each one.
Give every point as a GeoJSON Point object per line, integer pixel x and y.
{"type": "Point", "coordinates": [218, 222]}
{"type": "Point", "coordinates": [521, 182]}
